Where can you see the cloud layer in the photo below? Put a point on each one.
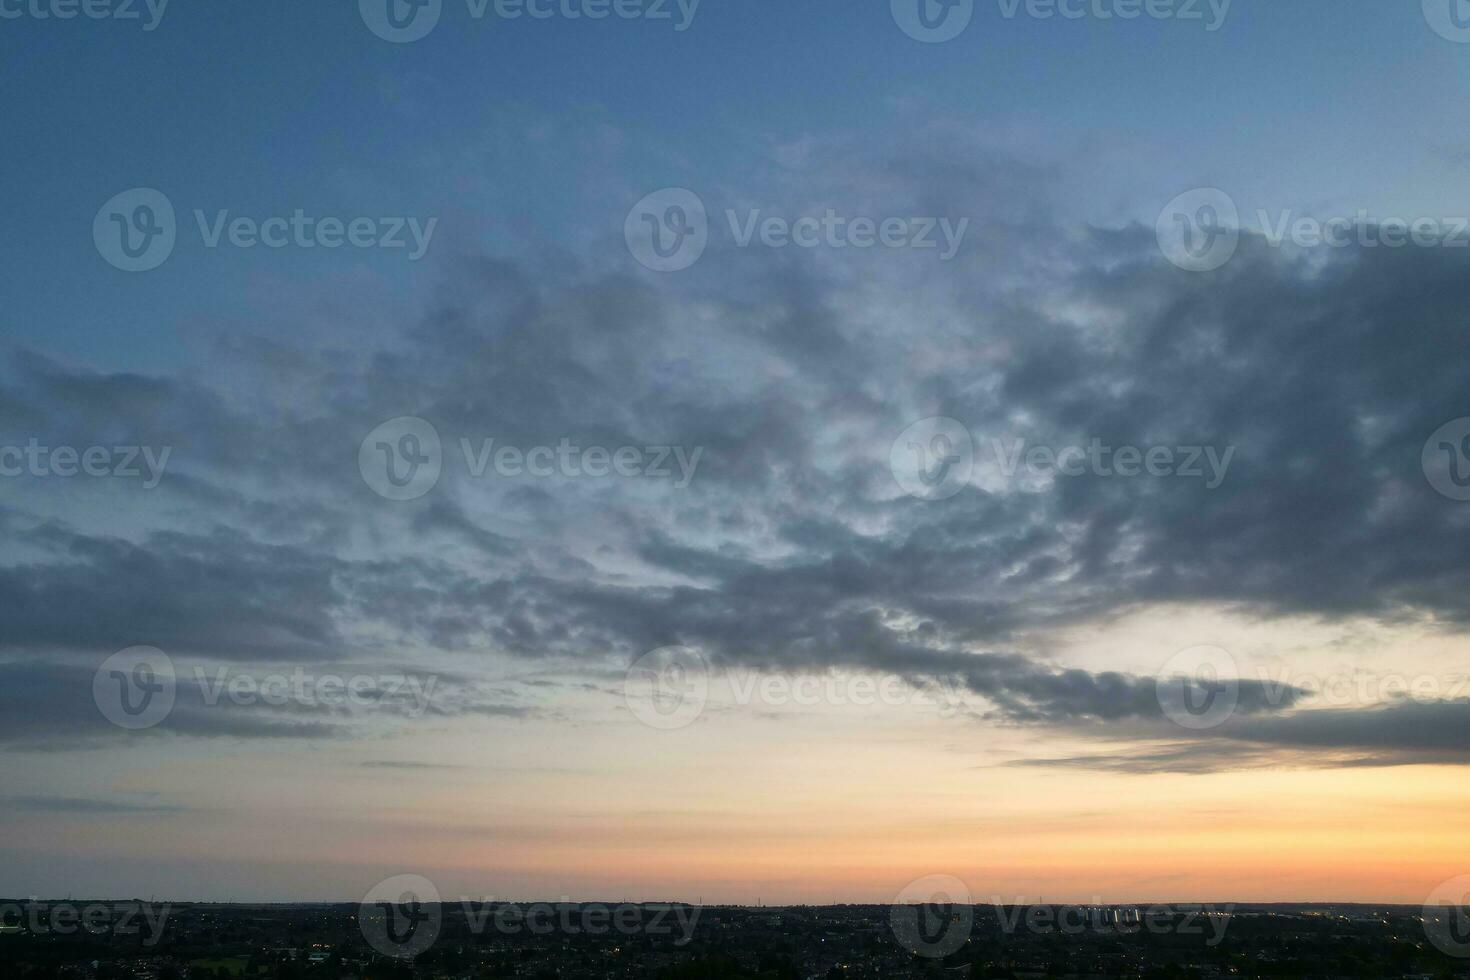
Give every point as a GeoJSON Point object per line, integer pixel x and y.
{"type": "Point", "coordinates": [793, 549]}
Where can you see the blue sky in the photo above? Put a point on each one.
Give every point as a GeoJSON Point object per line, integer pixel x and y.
{"type": "Point", "coordinates": [821, 485]}
{"type": "Point", "coordinates": [272, 106]}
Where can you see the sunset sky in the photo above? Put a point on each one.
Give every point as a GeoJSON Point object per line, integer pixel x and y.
{"type": "Point", "coordinates": [764, 664]}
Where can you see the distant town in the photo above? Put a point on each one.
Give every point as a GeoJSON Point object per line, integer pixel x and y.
{"type": "Point", "coordinates": [144, 940]}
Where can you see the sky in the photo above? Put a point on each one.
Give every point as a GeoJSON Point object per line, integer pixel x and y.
{"type": "Point", "coordinates": [735, 451]}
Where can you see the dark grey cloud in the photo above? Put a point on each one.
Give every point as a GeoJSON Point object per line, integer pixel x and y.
{"type": "Point", "coordinates": [48, 704]}
{"type": "Point", "coordinates": [791, 550]}
{"type": "Point", "coordinates": [221, 593]}
{"type": "Point", "coordinates": [1397, 733]}
{"type": "Point", "coordinates": [86, 806]}
{"type": "Point", "coordinates": [1403, 730]}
